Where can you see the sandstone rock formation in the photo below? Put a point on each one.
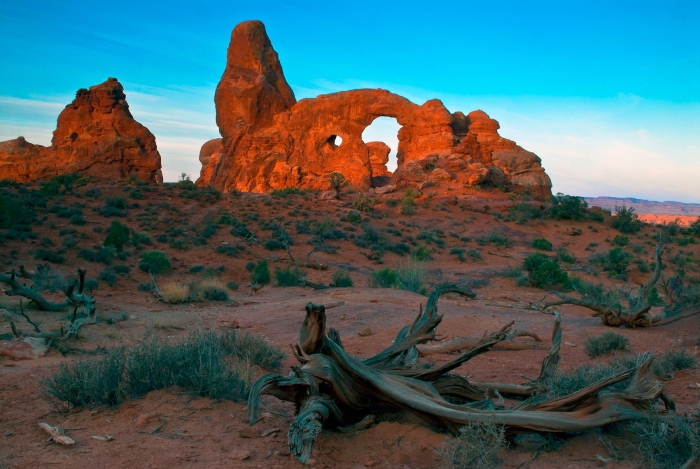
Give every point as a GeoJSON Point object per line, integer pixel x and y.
{"type": "Point", "coordinates": [270, 141]}
{"type": "Point", "coordinates": [95, 135]}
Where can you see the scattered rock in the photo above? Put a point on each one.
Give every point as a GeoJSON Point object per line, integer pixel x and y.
{"type": "Point", "coordinates": [365, 332]}
{"type": "Point", "coordinates": [58, 435]}
{"type": "Point", "coordinates": [270, 431]}
{"type": "Point", "coordinates": [370, 463]}
{"type": "Point", "coordinates": [239, 454]}
{"type": "Point", "coordinates": [385, 189]}
{"type": "Point", "coordinates": [248, 432]}
{"type": "Point", "coordinates": [29, 348]}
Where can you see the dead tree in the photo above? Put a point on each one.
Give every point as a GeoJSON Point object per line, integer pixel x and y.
{"type": "Point", "coordinates": [332, 389]}
{"type": "Point", "coordinates": [75, 296]}
{"type": "Point", "coordinates": [70, 330]}
{"type": "Point", "coordinates": [613, 313]}
{"type": "Point", "coordinates": [458, 344]}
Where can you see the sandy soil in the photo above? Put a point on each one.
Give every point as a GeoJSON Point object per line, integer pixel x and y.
{"type": "Point", "coordinates": [170, 429]}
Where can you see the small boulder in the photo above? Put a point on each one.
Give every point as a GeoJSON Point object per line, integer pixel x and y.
{"type": "Point", "coordinates": [29, 348]}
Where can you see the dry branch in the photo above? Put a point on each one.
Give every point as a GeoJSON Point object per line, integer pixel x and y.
{"type": "Point", "coordinates": [333, 389]}
{"type": "Point", "coordinates": [74, 298]}
{"type": "Point", "coordinates": [462, 343]}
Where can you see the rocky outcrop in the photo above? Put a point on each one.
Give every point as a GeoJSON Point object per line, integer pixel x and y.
{"type": "Point", "coordinates": [271, 142]}
{"type": "Point", "coordinates": [96, 135]}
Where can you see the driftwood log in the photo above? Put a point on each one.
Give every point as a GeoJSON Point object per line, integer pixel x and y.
{"type": "Point", "coordinates": [75, 296]}
{"type": "Point", "coordinates": [332, 389]}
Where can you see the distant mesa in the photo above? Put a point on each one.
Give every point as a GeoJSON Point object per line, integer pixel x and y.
{"type": "Point", "coordinates": [271, 141]}
{"type": "Point", "coordinates": [96, 135]}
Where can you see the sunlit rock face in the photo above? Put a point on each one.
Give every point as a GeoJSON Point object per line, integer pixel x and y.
{"type": "Point", "coordinates": [96, 135]}
{"type": "Point", "coordinates": [271, 141]}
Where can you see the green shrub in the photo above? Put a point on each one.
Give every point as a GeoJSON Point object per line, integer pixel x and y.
{"type": "Point", "coordinates": [341, 279]}
{"type": "Point", "coordinates": [383, 278]}
{"type": "Point", "coordinates": [605, 343]}
{"type": "Point", "coordinates": [101, 254]}
{"type": "Point", "coordinates": [542, 244]}
{"type": "Point", "coordinates": [422, 254]}
{"type": "Point", "coordinates": [494, 237]}
{"type": "Point", "coordinates": [154, 262]}
{"type": "Point", "coordinates": [477, 446]}
{"type": "Point", "coordinates": [666, 442]}
{"type": "Point", "coordinates": [621, 240]}
{"type": "Point", "coordinates": [568, 207]}
{"type": "Point", "coordinates": [232, 285]}
{"type": "Point", "coordinates": [411, 277]}
{"type": "Point", "coordinates": [595, 216]}
{"type": "Point", "coordinates": [199, 365]}
{"type": "Point", "coordinates": [565, 256]}
{"type": "Point", "coordinates": [261, 273]}
{"type": "Point", "coordinates": [626, 220]}
{"type": "Point", "coordinates": [408, 204]}
{"type": "Point", "coordinates": [145, 287]}
{"type": "Point", "coordinates": [274, 245]}
{"type": "Point", "coordinates": [108, 276]}
{"type": "Point", "coordinates": [364, 203]}
{"type": "Point", "coordinates": [195, 269]}
{"type": "Point", "coordinates": [117, 236]}
{"type": "Point", "coordinates": [47, 279]}
{"type": "Point", "coordinates": [617, 261]}
{"type": "Point", "coordinates": [354, 217]}
{"type": "Point", "coordinates": [289, 276]}
{"type": "Point", "coordinates": [524, 212]}
{"type": "Point", "coordinates": [231, 251]}
{"type": "Point", "coordinates": [114, 207]}
{"type": "Point", "coordinates": [121, 269]}
{"type": "Point", "coordinates": [543, 272]}
{"type": "Point", "coordinates": [460, 253]}
{"type": "Point", "coordinates": [48, 256]}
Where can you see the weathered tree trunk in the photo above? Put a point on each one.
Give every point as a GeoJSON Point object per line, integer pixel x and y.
{"type": "Point", "coordinates": [332, 389]}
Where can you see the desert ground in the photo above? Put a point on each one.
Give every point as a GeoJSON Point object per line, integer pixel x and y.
{"type": "Point", "coordinates": [472, 237]}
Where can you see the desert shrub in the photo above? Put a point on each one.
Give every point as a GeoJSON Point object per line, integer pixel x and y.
{"type": "Point", "coordinates": [46, 242]}
{"type": "Point", "coordinates": [544, 272]}
{"type": "Point", "coordinates": [477, 446]}
{"type": "Point", "coordinates": [621, 240]}
{"type": "Point", "coordinates": [195, 269]}
{"type": "Point", "coordinates": [524, 212]}
{"type": "Point", "coordinates": [460, 253]}
{"type": "Point", "coordinates": [121, 269]}
{"type": "Point", "coordinates": [87, 382]}
{"type": "Point", "coordinates": [260, 273]}
{"type": "Point", "coordinates": [287, 191]}
{"type": "Point", "coordinates": [694, 227]}
{"type": "Point", "coordinates": [47, 279]}
{"type": "Point", "coordinates": [210, 288]}
{"type": "Point", "coordinates": [494, 237]}
{"type": "Point", "coordinates": [617, 261]}
{"type": "Point", "coordinates": [93, 193]}
{"type": "Point", "coordinates": [232, 285]}
{"type": "Point", "coordinates": [422, 254]}
{"type": "Point", "coordinates": [605, 343]}
{"type": "Point", "coordinates": [117, 236]}
{"type": "Point", "coordinates": [145, 287]}
{"type": "Point", "coordinates": [411, 277]}
{"type": "Point", "coordinates": [564, 383]}
{"type": "Point", "coordinates": [511, 272]}
{"type": "Point", "coordinates": [354, 217]}
{"type": "Point", "coordinates": [175, 292]}
{"type": "Point", "coordinates": [364, 203]}
{"type": "Point", "coordinates": [341, 279]}
{"type": "Point", "coordinates": [108, 276]}
{"type": "Point", "coordinates": [565, 256]}
{"type": "Point", "coordinates": [290, 276]}
{"type": "Point", "coordinates": [383, 278]}
{"type": "Point", "coordinates": [139, 239]}
{"type": "Point", "coordinates": [595, 216]}
{"type": "Point", "coordinates": [136, 194]}
{"type": "Point", "coordinates": [231, 251]}
{"type": "Point", "coordinates": [114, 207]}
{"type": "Point", "coordinates": [568, 207]}
{"type": "Point", "coordinates": [408, 204]}
{"type": "Point", "coordinates": [370, 238]}
{"type": "Point", "coordinates": [100, 254]}
{"type": "Point", "coordinates": [154, 262]}
{"type": "Point", "coordinates": [48, 256]}
{"type": "Point", "coordinates": [626, 220]}
{"type": "Point", "coordinates": [668, 442]}
{"type": "Point", "coordinates": [432, 237]}
{"type": "Point", "coordinates": [91, 284]}
{"type": "Point", "coordinates": [542, 244]}
{"type": "Point", "coordinates": [274, 245]}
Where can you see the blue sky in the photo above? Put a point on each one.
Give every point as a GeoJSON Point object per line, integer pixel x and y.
{"type": "Point", "coordinates": [606, 93]}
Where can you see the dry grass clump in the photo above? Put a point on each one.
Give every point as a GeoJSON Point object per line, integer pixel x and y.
{"type": "Point", "coordinates": [477, 446]}
{"type": "Point", "coordinates": [175, 292]}
{"type": "Point", "coordinates": [210, 288]}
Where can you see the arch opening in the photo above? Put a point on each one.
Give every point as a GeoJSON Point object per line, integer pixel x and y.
{"type": "Point", "coordinates": [335, 140]}
{"type": "Point", "coordinates": [382, 130]}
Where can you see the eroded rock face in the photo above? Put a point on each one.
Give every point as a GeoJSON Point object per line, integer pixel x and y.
{"type": "Point", "coordinates": [95, 135]}
{"type": "Point", "coordinates": [271, 142]}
